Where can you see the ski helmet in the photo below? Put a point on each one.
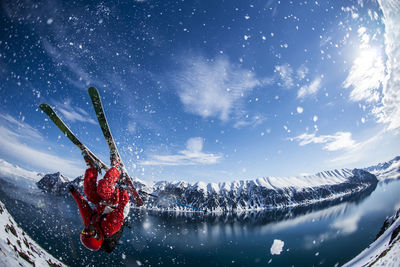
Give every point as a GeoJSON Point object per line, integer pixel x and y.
{"type": "Point", "coordinates": [91, 240]}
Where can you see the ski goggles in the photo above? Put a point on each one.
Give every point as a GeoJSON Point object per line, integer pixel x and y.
{"type": "Point", "coordinates": [93, 233]}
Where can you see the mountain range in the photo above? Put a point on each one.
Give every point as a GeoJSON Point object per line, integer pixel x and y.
{"type": "Point", "coordinates": [248, 195]}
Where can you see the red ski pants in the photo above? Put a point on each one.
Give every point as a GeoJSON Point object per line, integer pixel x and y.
{"type": "Point", "coordinates": [104, 190]}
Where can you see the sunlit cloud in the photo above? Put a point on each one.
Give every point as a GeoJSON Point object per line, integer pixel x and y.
{"type": "Point", "coordinates": [360, 151]}
{"type": "Point", "coordinates": [192, 155]}
{"type": "Point", "coordinates": [366, 76]}
{"type": "Point", "coordinates": [389, 111]}
{"type": "Point", "coordinates": [17, 144]}
{"type": "Point", "coordinates": [214, 88]}
{"type": "Point", "coordinates": [338, 141]}
{"type": "Point", "coordinates": [374, 80]}
{"type": "Point", "coordinates": [311, 89]}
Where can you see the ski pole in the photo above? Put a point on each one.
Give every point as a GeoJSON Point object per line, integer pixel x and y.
{"type": "Point", "coordinates": [170, 201]}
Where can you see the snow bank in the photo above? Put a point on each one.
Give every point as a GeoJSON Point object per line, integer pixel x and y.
{"type": "Point", "coordinates": [17, 248]}
{"type": "Point", "coordinates": [384, 251]}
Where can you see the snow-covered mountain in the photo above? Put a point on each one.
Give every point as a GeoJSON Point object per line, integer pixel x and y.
{"type": "Point", "coordinates": [244, 195]}
{"type": "Point", "coordinates": [385, 250]}
{"type": "Point", "coordinates": [262, 193]}
{"type": "Point", "coordinates": [17, 248]}
{"type": "Point", "coordinates": [387, 170]}
{"type": "Point", "coordinates": [57, 183]}
{"type": "Point", "coordinates": [12, 171]}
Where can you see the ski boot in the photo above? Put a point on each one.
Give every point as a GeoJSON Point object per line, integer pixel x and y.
{"type": "Point", "coordinates": [90, 161]}
{"type": "Point", "coordinates": [115, 161]}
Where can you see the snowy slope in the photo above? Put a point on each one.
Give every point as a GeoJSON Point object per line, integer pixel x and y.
{"type": "Point", "coordinates": [385, 250]}
{"type": "Point", "coordinates": [387, 170]}
{"type": "Point", "coordinates": [12, 171]}
{"type": "Point", "coordinates": [17, 248]}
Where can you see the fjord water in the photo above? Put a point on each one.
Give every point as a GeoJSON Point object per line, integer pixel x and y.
{"type": "Point", "coordinates": [326, 234]}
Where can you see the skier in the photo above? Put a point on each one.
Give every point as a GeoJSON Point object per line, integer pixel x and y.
{"type": "Point", "coordinates": [104, 224]}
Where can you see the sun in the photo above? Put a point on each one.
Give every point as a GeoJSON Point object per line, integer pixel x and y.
{"type": "Point", "coordinates": [367, 58]}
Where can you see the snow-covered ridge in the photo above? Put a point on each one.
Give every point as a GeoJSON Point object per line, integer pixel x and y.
{"type": "Point", "coordinates": [244, 195]}
{"type": "Point", "coordinates": [387, 170]}
{"type": "Point", "coordinates": [17, 248]}
{"type": "Point", "coordinates": [385, 250]}
{"type": "Point", "coordinates": [9, 170]}
{"type": "Point", "coordinates": [261, 193]}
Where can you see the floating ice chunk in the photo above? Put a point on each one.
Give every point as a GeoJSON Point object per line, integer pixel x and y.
{"type": "Point", "coordinates": [277, 247]}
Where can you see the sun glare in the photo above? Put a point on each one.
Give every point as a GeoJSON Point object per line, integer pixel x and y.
{"type": "Point", "coordinates": [367, 58]}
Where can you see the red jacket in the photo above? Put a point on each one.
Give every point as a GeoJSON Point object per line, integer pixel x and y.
{"type": "Point", "coordinates": [102, 194]}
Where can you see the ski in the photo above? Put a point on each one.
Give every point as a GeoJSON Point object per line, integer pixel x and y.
{"type": "Point", "coordinates": [98, 107]}
{"type": "Point", "coordinates": [71, 136]}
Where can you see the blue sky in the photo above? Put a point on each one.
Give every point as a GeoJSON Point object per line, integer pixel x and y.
{"type": "Point", "coordinates": [202, 90]}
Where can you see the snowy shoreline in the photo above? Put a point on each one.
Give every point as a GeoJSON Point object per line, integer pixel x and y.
{"type": "Point", "coordinates": [385, 250]}
{"type": "Point", "coordinates": [17, 248]}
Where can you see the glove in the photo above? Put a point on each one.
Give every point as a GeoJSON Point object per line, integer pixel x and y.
{"type": "Point", "coordinates": [138, 200]}
{"type": "Point", "coordinates": [123, 197]}
{"type": "Point", "coordinates": [71, 188]}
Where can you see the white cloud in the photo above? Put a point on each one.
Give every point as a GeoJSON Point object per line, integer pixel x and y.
{"type": "Point", "coordinates": [16, 142]}
{"type": "Point", "coordinates": [214, 88]}
{"type": "Point", "coordinates": [374, 80]}
{"type": "Point", "coordinates": [192, 155]}
{"type": "Point", "coordinates": [252, 121]}
{"type": "Point", "coordinates": [310, 89]}
{"type": "Point", "coordinates": [302, 72]}
{"type": "Point", "coordinates": [285, 72]}
{"type": "Point", "coordinates": [338, 141]}
{"type": "Point", "coordinates": [366, 76]}
{"type": "Point", "coordinates": [389, 111]}
{"type": "Point", "coordinates": [74, 114]}
{"type": "Point", "coordinates": [277, 247]}
{"type": "Point", "coordinates": [20, 127]}
{"type": "Point", "coordinates": [363, 150]}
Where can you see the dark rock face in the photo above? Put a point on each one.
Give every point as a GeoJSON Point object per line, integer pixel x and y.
{"type": "Point", "coordinates": [387, 223]}
{"type": "Point", "coordinates": [57, 184]}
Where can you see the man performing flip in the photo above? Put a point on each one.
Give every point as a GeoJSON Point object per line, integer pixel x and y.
{"type": "Point", "coordinates": [104, 224]}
